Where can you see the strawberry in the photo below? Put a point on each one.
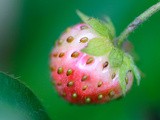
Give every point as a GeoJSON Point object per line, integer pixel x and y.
{"type": "Point", "coordinates": [87, 67]}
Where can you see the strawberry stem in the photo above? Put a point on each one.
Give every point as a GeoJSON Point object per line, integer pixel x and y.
{"type": "Point", "coordinates": [137, 22]}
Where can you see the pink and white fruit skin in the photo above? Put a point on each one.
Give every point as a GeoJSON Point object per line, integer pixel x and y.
{"type": "Point", "coordinates": [81, 78]}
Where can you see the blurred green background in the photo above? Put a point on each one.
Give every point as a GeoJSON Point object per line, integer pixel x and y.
{"type": "Point", "coordinates": [29, 28]}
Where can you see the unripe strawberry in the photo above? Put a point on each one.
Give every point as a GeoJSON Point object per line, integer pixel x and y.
{"type": "Point", "coordinates": [87, 67]}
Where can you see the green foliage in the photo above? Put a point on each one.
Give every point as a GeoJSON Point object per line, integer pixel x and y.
{"type": "Point", "coordinates": [136, 73]}
{"type": "Point", "coordinates": [123, 70]}
{"type": "Point", "coordinates": [98, 47]}
{"type": "Point", "coordinates": [123, 62]}
{"type": "Point", "coordinates": [17, 102]}
{"type": "Point", "coordinates": [115, 57]}
{"type": "Point", "coordinates": [119, 61]}
{"type": "Point", "coordinates": [135, 70]}
{"type": "Point", "coordinates": [126, 66]}
{"type": "Point", "coordinates": [122, 76]}
{"type": "Point", "coordinates": [104, 29]}
{"type": "Point", "coordinates": [110, 26]}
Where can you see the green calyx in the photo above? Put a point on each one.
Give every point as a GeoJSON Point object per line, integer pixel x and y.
{"type": "Point", "coordinates": [106, 32]}
{"type": "Point", "coordinates": [116, 57]}
{"type": "Point", "coordinates": [104, 46]}
{"type": "Point", "coordinates": [123, 63]}
{"type": "Point", "coordinates": [126, 66]}
{"type": "Point", "coordinates": [103, 28]}
{"type": "Point", "coordinates": [98, 47]}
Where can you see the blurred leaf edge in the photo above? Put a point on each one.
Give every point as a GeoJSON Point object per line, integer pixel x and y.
{"type": "Point", "coordinates": [21, 98]}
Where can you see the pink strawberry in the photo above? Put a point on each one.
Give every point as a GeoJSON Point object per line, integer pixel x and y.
{"type": "Point", "coordinates": [87, 67]}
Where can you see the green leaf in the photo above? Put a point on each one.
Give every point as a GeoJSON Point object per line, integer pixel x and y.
{"type": "Point", "coordinates": [125, 67]}
{"type": "Point", "coordinates": [98, 47]}
{"type": "Point", "coordinates": [136, 74]}
{"type": "Point", "coordinates": [110, 26]}
{"type": "Point", "coordinates": [17, 102]}
{"type": "Point", "coordinates": [98, 26]}
{"type": "Point", "coordinates": [84, 17]}
{"type": "Point", "coordinates": [122, 75]}
{"type": "Point", "coordinates": [136, 71]}
{"type": "Point", "coordinates": [116, 57]}
{"type": "Point", "coordinates": [128, 64]}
